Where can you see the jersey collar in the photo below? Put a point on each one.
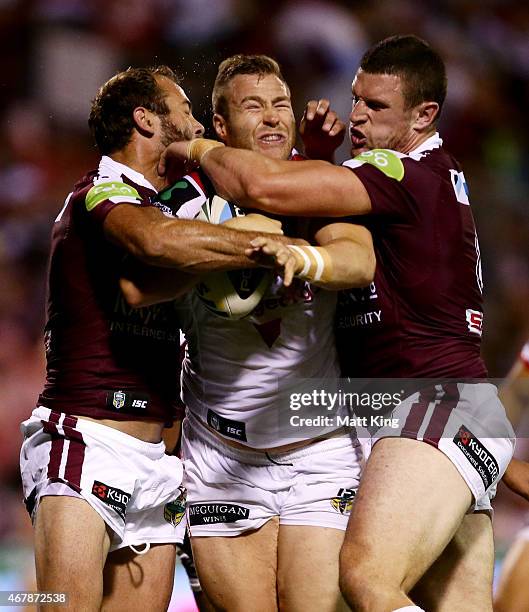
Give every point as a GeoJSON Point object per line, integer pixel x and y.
{"type": "Point", "coordinates": [107, 165]}
{"type": "Point", "coordinates": [434, 142]}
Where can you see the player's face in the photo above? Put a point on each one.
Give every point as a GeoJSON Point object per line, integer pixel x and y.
{"type": "Point", "coordinates": [379, 118]}
{"type": "Point", "coordinates": [179, 124]}
{"type": "Point", "coordinates": [260, 116]}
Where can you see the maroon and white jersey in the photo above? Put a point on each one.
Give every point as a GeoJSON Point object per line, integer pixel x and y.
{"type": "Point", "coordinates": [104, 358]}
{"type": "Point", "coordinates": [422, 315]}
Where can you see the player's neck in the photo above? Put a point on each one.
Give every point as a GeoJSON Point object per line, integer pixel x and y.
{"type": "Point", "coordinates": [143, 160]}
{"type": "Point", "coordinates": [416, 140]}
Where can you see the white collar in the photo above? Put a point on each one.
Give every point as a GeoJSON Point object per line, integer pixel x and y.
{"type": "Point", "coordinates": [107, 165]}
{"type": "Point", "coordinates": [434, 142]}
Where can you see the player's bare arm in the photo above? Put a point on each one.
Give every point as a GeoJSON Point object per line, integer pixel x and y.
{"type": "Point", "coordinates": [350, 248]}
{"type": "Point", "coordinates": [344, 258]}
{"type": "Point", "coordinates": [191, 246]}
{"type": "Point", "coordinates": [321, 130]}
{"type": "Point", "coordinates": [144, 285]}
{"type": "Point", "coordinates": [313, 188]}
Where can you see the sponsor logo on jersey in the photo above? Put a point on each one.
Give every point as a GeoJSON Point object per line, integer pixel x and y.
{"type": "Point", "coordinates": [343, 502]}
{"type": "Point", "coordinates": [205, 514]}
{"type": "Point", "coordinates": [388, 162]}
{"type": "Point", "coordinates": [358, 295]}
{"type": "Point", "coordinates": [133, 402]}
{"type": "Point", "coordinates": [175, 510]}
{"type": "Point", "coordinates": [112, 497]}
{"type": "Point", "coordinates": [478, 455]}
{"type": "Point", "coordinates": [106, 191]}
{"type": "Point", "coordinates": [300, 292]}
{"type": "Point", "coordinates": [227, 427]}
{"type": "Point", "coordinates": [474, 321]}
{"type": "Point", "coordinates": [460, 186]}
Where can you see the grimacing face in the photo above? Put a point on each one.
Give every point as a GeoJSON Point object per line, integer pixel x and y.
{"type": "Point", "coordinates": [379, 118]}
{"type": "Point", "coordinates": [260, 116]}
{"type": "Point", "coordinates": [179, 124]}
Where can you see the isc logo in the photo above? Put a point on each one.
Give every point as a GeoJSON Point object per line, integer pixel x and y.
{"type": "Point", "coordinates": [139, 403]}
{"type": "Point", "coordinates": [233, 431]}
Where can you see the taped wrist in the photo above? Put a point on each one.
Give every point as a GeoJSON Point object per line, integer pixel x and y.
{"type": "Point", "coordinates": [199, 147]}
{"type": "Point", "coordinates": [314, 263]}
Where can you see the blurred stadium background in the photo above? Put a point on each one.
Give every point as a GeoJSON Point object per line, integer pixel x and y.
{"type": "Point", "coordinates": [56, 53]}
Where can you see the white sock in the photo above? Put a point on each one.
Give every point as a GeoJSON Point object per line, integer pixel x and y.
{"type": "Point", "coordinates": [409, 609]}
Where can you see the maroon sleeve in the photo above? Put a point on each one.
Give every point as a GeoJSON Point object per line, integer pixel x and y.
{"type": "Point", "coordinates": [101, 198]}
{"type": "Point", "coordinates": [397, 198]}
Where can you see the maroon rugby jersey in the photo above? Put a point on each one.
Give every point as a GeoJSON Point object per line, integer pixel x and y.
{"type": "Point", "coordinates": [104, 358]}
{"type": "Point", "coordinates": [422, 315]}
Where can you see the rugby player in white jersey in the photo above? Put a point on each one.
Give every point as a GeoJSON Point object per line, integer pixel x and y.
{"type": "Point", "coordinates": [268, 506]}
{"type": "Point", "coordinates": [420, 532]}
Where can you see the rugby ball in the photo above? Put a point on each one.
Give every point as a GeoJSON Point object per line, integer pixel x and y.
{"type": "Point", "coordinates": [234, 294]}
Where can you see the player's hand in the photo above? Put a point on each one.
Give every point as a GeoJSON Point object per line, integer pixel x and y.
{"type": "Point", "coordinates": [173, 162]}
{"type": "Point", "coordinates": [516, 477]}
{"type": "Point", "coordinates": [255, 222]}
{"type": "Point", "coordinates": [270, 253]}
{"type": "Point", "coordinates": [321, 130]}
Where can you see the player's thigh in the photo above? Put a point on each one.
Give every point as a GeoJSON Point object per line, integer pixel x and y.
{"type": "Point", "coordinates": [512, 594]}
{"type": "Point", "coordinates": [409, 505]}
{"type": "Point", "coordinates": [308, 564]}
{"type": "Point", "coordinates": [139, 581]}
{"type": "Point", "coordinates": [461, 578]}
{"type": "Point", "coordinates": [238, 573]}
{"type": "Point", "coordinates": [71, 546]}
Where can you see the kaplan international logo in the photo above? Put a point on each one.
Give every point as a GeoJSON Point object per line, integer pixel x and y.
{"type": "Point", "coordinates": [119, 400]}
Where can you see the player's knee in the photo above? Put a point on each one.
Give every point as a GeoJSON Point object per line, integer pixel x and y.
{"type": "Point", "coordinates": [355, 583]}
{"type": "Point", "coordinates": [362, 587]}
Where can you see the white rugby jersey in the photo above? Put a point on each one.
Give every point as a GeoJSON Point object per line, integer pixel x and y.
{"type": "Point", "coordinates": [233, 369]}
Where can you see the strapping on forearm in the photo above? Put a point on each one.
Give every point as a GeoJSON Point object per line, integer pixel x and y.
{"type": "Point", "coordinates": [314, 263]}
{"type": "Point", "coordinates": [198, 148]}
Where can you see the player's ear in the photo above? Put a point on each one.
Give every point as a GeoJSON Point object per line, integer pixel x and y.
{"type": "Point", "coordinates": [144, 120]}
{"type": "Point", "coordinates": [425, 115]}
{"type": "Point", "coordinates": [219, 123]}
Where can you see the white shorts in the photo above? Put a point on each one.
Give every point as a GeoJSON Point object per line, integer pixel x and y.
{"type": "Point", "coordinates": [133, 485]}
{"type": "Point", "coordinates": [467, 423]}
{"type": "Point", "coordinates": [231, 491]}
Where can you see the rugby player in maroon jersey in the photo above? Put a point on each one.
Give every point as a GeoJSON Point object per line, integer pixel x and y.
{"type": "Point", "coordinates": [420, 531]}
{"type": "Point", "coordinates": [96, 480]}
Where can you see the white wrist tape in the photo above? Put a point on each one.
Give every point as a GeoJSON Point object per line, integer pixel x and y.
{"type": "Point", "coordinates": [199, 147]}
{"type": "Point", "coordinates": [315, 263]}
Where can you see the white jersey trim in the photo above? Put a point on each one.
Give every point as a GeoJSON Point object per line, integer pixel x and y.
{"type": "Point", "coordinates": [434, 142]}
{"type": "Point", "coordinates": [109, 168]}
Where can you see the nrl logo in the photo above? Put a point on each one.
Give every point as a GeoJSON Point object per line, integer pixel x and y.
{"type": "Point", "coordinates": [175, 510]}
{"type": "Point", "coordinates": [343, 502]}
{"type": "Point", "coordinates": [118, 400]}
